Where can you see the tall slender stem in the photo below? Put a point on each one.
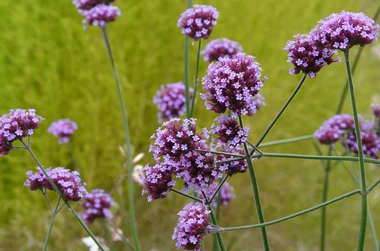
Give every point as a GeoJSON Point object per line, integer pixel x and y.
{"type": "Point", "coordinates": [286, 141]}
{"type": "Point", "coordinates": [268, 223]}
{"type": "Point", "coordinates": [363, 224]}
{"type": "Point", "coordinates": [280, 113]}
{"type": "Point", "coordinates": [196, 79]}
{"type": "Point", "coordinates": [27, 147]}
{"type": "Point", "coordinates": [76, 166]}
{"type": "Point", "coordinates": [127, 145]}
{"type": "Point", "coordinates": [48, 232]}
{"type": "Point", "coordinates": [256, 193]}
{"type": "Point", "coordinates": [324, 198]}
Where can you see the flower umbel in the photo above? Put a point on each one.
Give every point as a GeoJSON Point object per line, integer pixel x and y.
{"type": "Point", "coordinates": [306, 56]}
{"type": "Point", "coordinates": [88, 4]}
{"type": "Point", "coordinates": [232, 83]}
{"type": "Point", "coordinates": [198, 21]}
{"type": "Point", "coordinates": [221, 48]}
{"type": "Point", "coordinates": [192, 226]}
{"type": "Point", "coordinates": [96, 204]}
{"type": "Point", "coordinates": [229, 132]}
{"type": "Point", "coordinates": [226, 193]}
{"type": "Point", "coordinates": [64, 129]}
{"type": "Point", "coordinates": [100, 15]}
{"type": "Point", "coordinates": [68, 182]}
{"type": "Point", "coordinates": [345, 30]}
{"type": "Point", "coordinates": [171, 101]}
{"type": "Point", "coordinates": [157, 180]}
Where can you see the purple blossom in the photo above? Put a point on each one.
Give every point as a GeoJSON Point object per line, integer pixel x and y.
{"type": "Point", "coordinates": [376, 110]}
{"type": "Point", "coordinates": [88, 4]}
{"type": "Point", "coordinates": [370, 143]}
{"type": "Point", "coordinates": [5, 146]}
{"type": "Point", "coordinates": [306, 56]}
{"type": "Point", "coordinates": [68, 182]}
{"type": "Point", "coordinates": [100, 15]}
{"type": "Point", "coordinates": [197, 169]}
{"type": "Point", "coordinates": [345, 30]}
{"type": "Point", "coordinates": [171, 101]}
{"type": "Point", "coordinates": [192, 226]}
{"type": "Point", "coordinates": [157, 180]}
{"type": "Point", "coordinates": [96, 205]}
{"type": "Point", "coordinates": [221, 48]}
{"type": "Point", "coordinates": [232, 167]}
{"type": "Point", "coordinates": [232, 83]}
{"type": "Point", "coordinates": [335, 127]}
{"type": "Point", "coordinates": [174, 138]}
{"type": "Point", "coordinates": [64, 129]}
{"type": "Point", "coordinates": [226, 193]}
{"type": "Point", "coordinates": [18, 124]}
{"type": "Point", "coordinates": [198, 21]}
{"type": "Point", "coordinates": [258, 101]}
{"type": "Point", "coordinates": [228, 131]}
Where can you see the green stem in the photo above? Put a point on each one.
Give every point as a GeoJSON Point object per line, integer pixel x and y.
{"type": "Point", "coordinates": [363, 224]}
{"type": "Point", "coordinates": [373, 186]}
{"type": "Point", "coordinates": [196, 79]}
{"type": "Point", "coordinates": [128, 143]}
{"type": "Point", "coordinates": [256, 193]}
{"type": "Point", "coordinates": [218, 189]}
{"type": "Point", "coordinates": [76, 166]}
{"type": "Point", "coordinates": [373, 230]}
{"type": "Point", "coordinates": [221, 153]}
{"type": "Point", "coordinates": [186, 80]}
{"type": "Point", "coordinates": [218, 200]}
{"type": "Point", "coordinates": [27, 147]}
{"type": "Point", "coordinates": [357, 191]}
{"type": "Point", "coordinates": [279, 113]}
{"type": "Point", "coordinates": [48, 232]}
{"type": "Point", "coordinates": [314, 157]}
{"type": "Point", "coordinates": [185, 195]}
{"type": "Point", "coordinates": [125, 240]}
{"type": "Point", "coordinates": [286, 141]}
{"type": "Point", "coordinates": [324, 199]}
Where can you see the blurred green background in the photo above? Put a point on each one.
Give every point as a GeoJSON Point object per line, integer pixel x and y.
{"type": "Point", "coordinates": [48, 62]}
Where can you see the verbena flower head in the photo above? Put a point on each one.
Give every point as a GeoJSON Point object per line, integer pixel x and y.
{"type": "Point", "coordinates": [258, 101]}
{"type": "Point", "coordinates": [345, 30]}
{"type": "Point", "coordinates": [171, 101]}
{"type": "Point", "coordinates": [376, 110]}
{"type": "Point", "coordinates": [232, 167]}
{"type": "Point", "coordinates": [174, 138]}
{"type": "Point", "coordinates": [5, 146]}
{"type": "Point", "coordinates": [96, 205]}
{"type": "Point", "coordinates": [306, 56]}
{"type": "Point", "coordinates": [100, 15]}
{"type": "Point", "coordinates": [18, 124]}
{"type": "Point", "coordinates": [228, 131]}
{"type": "Point", "coordinates": [157, 180]}
{"type": "Point", "coordinates": [197, 169]}
{"type": "Point", "coordinates": [370, 143]}
{"type": "Point", "coordinates": [198, 21]}
{"type": "Point", "coordinates": [68, 182]}
{"type": "Point", "coordinates": [335, 127]}
{"type": "Point", "coordinates": [232, 83]}
{"type": "Point", "coordinates": [192, 226]}
{"type": "Point", "coordinates": [64, 129]}
{"type": "Point", "coordinates": [226, 193]}
{"type": "Point", "coordinates": [221, 48]}
{"type": "Point", "coordinates": [88, 4]}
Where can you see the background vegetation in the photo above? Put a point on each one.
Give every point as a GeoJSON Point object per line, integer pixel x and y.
{"type": "Point", "coordinates": [48, 62]}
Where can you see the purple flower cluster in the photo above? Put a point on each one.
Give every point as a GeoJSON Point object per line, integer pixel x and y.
{"type": "Point", "coordinates": [157, 180]}
{"type": "Point", "coordinates": [376, 110]}
{"type": "Point", "coordinates": [228, 131]}
{"type": "Point", "coordinates": [306, 56]}
{"type": "Point", "coordinates": [171, 101]}
{"type": "Point", "coordinates": [88, 4]}
{"type": "Point", "coordinates": [64, 129]}
{"type": "Point", "coordinates": [68, 182]}
{"type": "Point", "coordinates": [198, 21]}
{"type": "Point", "coordinates": [16, 125]}
{"type": "Point", "coordinates": [221, 48]}
{"type": "Point", "coordinates": [258, 101]}
{"type": "Point", "coordinates": [192, 226]}
{"type": "Point", "coordinates": [345, 30]}
{"type": "Point", "coordinates": [232, 83]}
{"type": "Point", "coordinates": [101, 14]}
{"type": "Point", "coordinates": [226, 193]}
{"type": "Point", "coordinates": [96, 204]}
{"type": "Point", "coordinates": [342, 128]}
{"type": "Point", "coordinates": [232, 167]}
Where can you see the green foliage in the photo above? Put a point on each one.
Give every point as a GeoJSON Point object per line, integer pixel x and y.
{"type": "Point", "coordinates": [48, 62]}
